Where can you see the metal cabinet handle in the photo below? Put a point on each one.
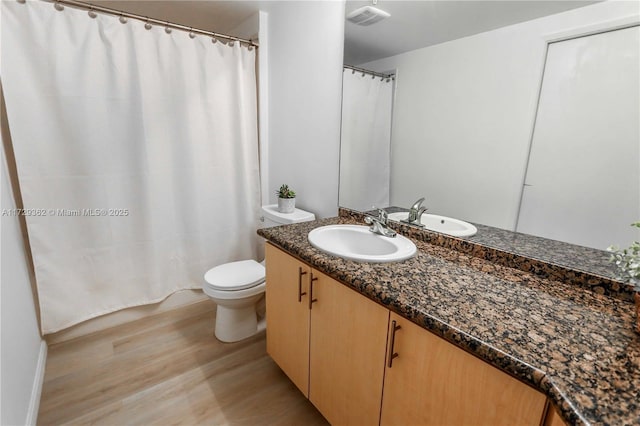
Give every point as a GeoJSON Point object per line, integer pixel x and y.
{"type": "Point", "coordinates": [392, 354]}
{"type": "Point", "coordinates": [300, 274]}
{"type": "Point", "coordinates": [311, 299]}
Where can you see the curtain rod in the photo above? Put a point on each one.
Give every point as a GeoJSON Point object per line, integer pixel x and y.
{"type": "Point", "coordinates": [373, 73]}
{"type": "Point", "coordinates": [95, 8]}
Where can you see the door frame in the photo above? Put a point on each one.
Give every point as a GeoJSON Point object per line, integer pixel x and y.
{"type": "Point", "coordinates": [573, 33]}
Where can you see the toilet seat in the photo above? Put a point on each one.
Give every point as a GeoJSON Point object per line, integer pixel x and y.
{"type": "Point", "coordinates": [235, 276]}
{"type": "Point", "coordinates": [234, 294]}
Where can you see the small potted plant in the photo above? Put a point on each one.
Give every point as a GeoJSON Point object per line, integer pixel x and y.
{"type": "Point", "coordinates": [628, 263]}
{"type": "Point", "coordinates": [286, 199]}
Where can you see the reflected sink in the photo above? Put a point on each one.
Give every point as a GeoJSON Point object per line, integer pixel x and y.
{"type": "Point", "coordinates": [355, 242]}
{"type": "Point", "coordinates": [442, 224]}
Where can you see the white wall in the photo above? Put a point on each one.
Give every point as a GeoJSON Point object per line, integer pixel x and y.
{"type": "Point", "coordinates": [464, 111]}
{"type": "Point", "coordinates": [305, 48]}
{"type": "Point", "coordinates": [23, 352]}
{"type": "Point", "coordinates": [263, 108]}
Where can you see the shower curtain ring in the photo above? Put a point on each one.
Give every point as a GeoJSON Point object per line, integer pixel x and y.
{"type": "Point", "coordinates": [214, 40]}
{"type": "Point", "coordinates": [148, 25]}
{"type": "Point", "coordinates": [21, 1]}
{"type": "Point", "coordinates": [192, 35]}
{"type": "Point", "coordinates": [122, 19]}
{"type": "Point", "coordinates": [92, 14]}
{"type": "Point", "coordinates": [58, 6]}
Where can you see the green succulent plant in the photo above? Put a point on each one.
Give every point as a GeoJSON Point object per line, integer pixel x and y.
{"type": "Point", "coordinates": [286, 192]}
{"type": "Point", "coordinates": [628, 261]}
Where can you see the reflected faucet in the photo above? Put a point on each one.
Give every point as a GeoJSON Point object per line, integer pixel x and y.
{"type": "Point", "coordinates": [415, 213]}
{"type": "Point", "coordinates": [379, 224]}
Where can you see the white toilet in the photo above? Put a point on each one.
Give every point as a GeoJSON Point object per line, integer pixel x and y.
{"type": "Point", "coordinates": [236, 287]}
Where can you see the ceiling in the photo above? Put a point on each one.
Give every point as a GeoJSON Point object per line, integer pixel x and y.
{"type": "Point", "coordinates": [416, 24]}
{"type": "Point", "coordinates": [413, 23]}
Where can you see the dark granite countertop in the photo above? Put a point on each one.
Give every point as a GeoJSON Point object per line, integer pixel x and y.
{"type": "Point", "coordinates": [571, 256]}
{"type": "Point", "coordinates": [575, 345]}
{"type": "Point", "coordinates": [585, 259]}
{"type": "Point", "coordinates": [587, 267]}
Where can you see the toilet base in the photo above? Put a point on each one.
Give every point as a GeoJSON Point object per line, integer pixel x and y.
{"type": "Point", "coordinates": [235, 324]}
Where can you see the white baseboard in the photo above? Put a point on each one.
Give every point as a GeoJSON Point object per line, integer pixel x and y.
{"type": "Point", "coordinates": [36, 390]}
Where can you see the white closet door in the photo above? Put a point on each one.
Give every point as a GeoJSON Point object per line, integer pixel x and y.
{"type": "Point", "coordinates": [583, 179]}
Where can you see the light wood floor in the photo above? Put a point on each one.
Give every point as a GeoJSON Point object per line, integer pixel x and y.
{"type": "Point", "coordinates": [169, 369]}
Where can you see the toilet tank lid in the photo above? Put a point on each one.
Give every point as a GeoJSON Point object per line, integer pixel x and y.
{"type": "Point", "coordinates": [298, 215]}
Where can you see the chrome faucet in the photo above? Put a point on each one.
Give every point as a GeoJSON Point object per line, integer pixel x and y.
{"type": "Point", "coordinates": [379, 224]}
{"type": "Point", "coordinates": [415, 213]}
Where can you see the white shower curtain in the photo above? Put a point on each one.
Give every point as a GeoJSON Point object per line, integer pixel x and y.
{"type": "Point", "coordinates": [365, 164]}
{"type": "Point", "coordinates": [137, 156]}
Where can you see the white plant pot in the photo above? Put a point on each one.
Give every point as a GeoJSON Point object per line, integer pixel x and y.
{"type": "Point", "coordinates": [286, 205]}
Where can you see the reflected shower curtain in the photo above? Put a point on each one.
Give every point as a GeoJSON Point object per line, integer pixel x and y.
{"type": "Point", "coordinates": [137, 156]}
{"type": "Point", "coordinates": [365, 144]}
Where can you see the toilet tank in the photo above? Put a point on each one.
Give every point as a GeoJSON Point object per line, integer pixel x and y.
{"type": "Point", "coordinates": [272, 217]}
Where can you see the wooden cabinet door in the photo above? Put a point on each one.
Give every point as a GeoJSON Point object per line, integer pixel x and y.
{"type": "Point", "coordinates": [288, 315]}
{"type": "Point", "coordinates": [553, 417]}
{"type": "Point", "coordinates": [432, 382]}
{"type": "Point", "coordinates": [348, 345]}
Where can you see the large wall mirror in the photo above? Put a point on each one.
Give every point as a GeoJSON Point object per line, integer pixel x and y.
{"type": "Point", "coordinates": [523, 116]}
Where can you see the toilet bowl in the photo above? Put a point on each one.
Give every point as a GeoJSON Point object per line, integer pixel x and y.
{"type": "Point", "coordinates": [236, 287]}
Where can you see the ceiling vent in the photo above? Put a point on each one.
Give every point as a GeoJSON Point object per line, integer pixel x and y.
{"type": "Point", "coordinates": [367, 15]}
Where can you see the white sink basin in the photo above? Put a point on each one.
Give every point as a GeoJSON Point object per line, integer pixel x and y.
{"type": "Point", "coordinates": [355, 242]}
{"type": "Point", "coordinates": [443, 224]}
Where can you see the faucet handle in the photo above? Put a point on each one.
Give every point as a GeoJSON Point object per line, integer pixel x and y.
{"type": "Point", "coordinates": [379, 224]}
{"type": "Point", "coordinates": [382, 214]}
{"type": "Point", "coordinates": [417, 204]}
{"type": "Point", "coordinates": [415, 213]}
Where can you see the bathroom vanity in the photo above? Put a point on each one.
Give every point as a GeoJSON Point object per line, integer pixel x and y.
{"type": "Point", "coordinates": [447, 337]}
